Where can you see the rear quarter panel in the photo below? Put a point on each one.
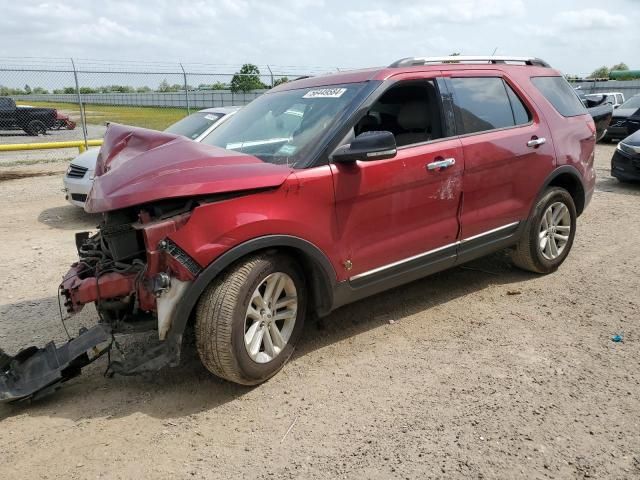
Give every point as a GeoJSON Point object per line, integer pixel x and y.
{"type": "Point", "coordinates": [573, 137]}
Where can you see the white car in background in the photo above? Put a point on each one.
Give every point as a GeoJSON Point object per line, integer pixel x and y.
{"type": "Point", "coordinates": [79, 176]}
{"type": "Point", "coordinates": [614, 98]}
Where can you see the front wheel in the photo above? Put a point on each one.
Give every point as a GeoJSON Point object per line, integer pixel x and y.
{"type": "Point", "coordinates": [549, 233]}
{"type": "Point", "coordinates": [249, 320]}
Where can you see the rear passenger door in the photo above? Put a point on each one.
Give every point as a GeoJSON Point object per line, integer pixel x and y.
{"type": "Point", "coordinates": [508, 153]}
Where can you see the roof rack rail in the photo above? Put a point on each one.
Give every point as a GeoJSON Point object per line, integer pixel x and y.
{"type": "Point", "coordinates": [411, 61]}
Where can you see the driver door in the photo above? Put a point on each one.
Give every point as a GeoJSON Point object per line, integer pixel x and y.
{"type": "Point", "coordinates": [398, 218]}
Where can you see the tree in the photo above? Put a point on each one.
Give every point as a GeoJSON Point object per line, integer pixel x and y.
{"type": "Point", "coordinates": [280, 81]}
{"type": "Point", "coordinates": [620, 66]}
{"type": "Point", "coordinates": [164, 86]}
{"type": "Point", "coordinates": [454, 54]}
{"type": "Point", "coordinates": [602, 72]}
{"type": "Point", "coordinates": [69, 90]}
{"type": "Point", "coordinates": [27, 89]}
{"type": "Point", "coordinates": [247, 79]}
{"type": "Point", "coordinates": [144, 89]}
{"type": "Point", "coordinates": [40, 90]}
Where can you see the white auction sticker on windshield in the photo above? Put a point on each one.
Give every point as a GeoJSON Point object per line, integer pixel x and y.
{"type": "Point", "coordinates": [325, 93]}
{"type": "Point", "coordinates": [211, 117]}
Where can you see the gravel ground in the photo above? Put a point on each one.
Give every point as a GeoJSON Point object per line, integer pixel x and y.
{"type": "Point", "coordinates": [18, 136]}
{"type": "Point", "coordinates": [483, 371]}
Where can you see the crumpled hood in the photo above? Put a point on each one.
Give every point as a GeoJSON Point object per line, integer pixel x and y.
{"type": "Point", "coordinates": [137, 166]}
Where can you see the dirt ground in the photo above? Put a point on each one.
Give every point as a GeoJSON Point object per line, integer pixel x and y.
{"type": "Point", "coordinates": [483, 371]}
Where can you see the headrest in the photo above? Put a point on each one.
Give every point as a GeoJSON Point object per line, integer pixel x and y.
{"type": "Point", "coordinates": [414, 115]}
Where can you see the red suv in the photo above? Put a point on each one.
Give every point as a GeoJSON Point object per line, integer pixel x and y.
{"type": "Point", "coordinates": [326, 190]}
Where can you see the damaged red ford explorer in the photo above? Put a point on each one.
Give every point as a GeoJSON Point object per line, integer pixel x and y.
{"type": "Point", "coordinates": [321, 192]}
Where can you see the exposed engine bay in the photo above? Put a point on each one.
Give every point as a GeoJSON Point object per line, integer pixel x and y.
{"type": "Point", "coordinates": [135, 276]}
{"type": "Point", "coordinates": [142, 267]}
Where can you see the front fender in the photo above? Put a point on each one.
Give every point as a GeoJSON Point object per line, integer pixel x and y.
{"type": "Point", "coordinates": [322, 268]}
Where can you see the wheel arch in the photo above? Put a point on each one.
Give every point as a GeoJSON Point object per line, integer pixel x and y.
{"type": "Point", "coordinates": [316, 266]}
{"type": "Point", "coordinates": [569, 178]}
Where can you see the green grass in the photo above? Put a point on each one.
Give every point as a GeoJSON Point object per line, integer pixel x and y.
{"type": "Point", "coordinates": [157, 118]}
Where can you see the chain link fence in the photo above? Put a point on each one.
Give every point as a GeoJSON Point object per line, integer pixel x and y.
{"type": "Point", "coordinates": [87, 94]}
{"type": "Point", "coordinates": [627, 87]}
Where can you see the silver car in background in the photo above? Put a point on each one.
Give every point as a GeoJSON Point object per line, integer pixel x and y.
{"type": "Point", "coordinates": [79, 176]}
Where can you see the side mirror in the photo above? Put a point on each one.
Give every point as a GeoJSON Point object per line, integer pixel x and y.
{"type": "Point", "coordinates": [366, 147]}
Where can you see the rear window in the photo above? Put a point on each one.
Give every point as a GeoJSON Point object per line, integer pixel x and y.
{"type": "Point", "coordinates": [560, 94]}
{"type": "Point", "coordinates": [194, 125]}
{"type": "Point", "coordinates": [633, 102]}
{"type": "Point", "coordinates": [6, 103]}
{"type": "Point", "coordinates": [486, 103]}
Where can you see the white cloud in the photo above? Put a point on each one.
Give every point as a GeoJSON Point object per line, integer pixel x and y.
{"type": "Point", "coordinates": [420, 15]}
{"type": "Point", "coordinates": [590, 19]}
{"type": "Point", "coordinates": [320, 33]}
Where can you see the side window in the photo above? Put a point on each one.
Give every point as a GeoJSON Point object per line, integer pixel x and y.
{"type": "Point", "coordinates": [6, 104]}
{"type": "Point", "coordinates": [410, 110]}
{"type": "Point", "coordinates": [482, 103]}
{"type": "Point", "coordinates": [521, 115]}
{"type": "Point", "coordinates": [560, 94]}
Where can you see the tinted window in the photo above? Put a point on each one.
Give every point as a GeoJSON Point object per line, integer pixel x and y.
{"type": "Point", "coordinates": [520, 113]}
{"type": "Point", "coordinates": [560, 94]}
{"type": "Point", "coordinates": [633, 102]}
{"type": "Point", "coordinates": [194, 125]}
{"type": "Point", "coordinates": [481, 103]}
{"type": "Point", "coordinates": [409, 110]}
{"type": "Point", "coordinates": [6, 104]}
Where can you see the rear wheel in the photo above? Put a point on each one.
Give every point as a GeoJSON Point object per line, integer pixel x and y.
{"type": "Point", "coordinates": [36, 127]}
{"type": "Point", "coordinates": [249, 320]}
{"type": "Point", "coordinates": [549, 234]}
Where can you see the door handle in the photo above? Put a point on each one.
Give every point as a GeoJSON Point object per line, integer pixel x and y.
{"type": "Point", "coordinates": [536, 142]}
{"type": "Point", "coordinates": [439, 164]}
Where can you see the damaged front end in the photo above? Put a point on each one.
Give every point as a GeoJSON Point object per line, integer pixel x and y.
{"type": "Point", "coordinates": [148, 186]}
{"type": "Point", "coordinates": [135, 275]}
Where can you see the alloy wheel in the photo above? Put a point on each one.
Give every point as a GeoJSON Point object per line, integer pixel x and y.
{"type": "Point", "coordinates": [555, 230]}
{"type": "Point", "coordinates": [271, 317]}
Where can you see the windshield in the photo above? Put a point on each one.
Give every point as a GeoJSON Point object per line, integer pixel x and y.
{"type": "Point", "coordinates": [284, 127]}
{"type": "Point", "coordinates": [633, 102]}
{"type": "Point", "coordinates": [194, 125]}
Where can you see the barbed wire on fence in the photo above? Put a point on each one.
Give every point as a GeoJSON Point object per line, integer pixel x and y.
{"type": "Point", "coordinates": [93, 92]}
{"type": "Point", "coordinates": [153, 94]}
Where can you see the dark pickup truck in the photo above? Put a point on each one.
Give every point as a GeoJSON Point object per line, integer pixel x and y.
{"type": "Point", "coordinates": [34, 121]}
{"type": "Point", "coordinates": [600, 111]}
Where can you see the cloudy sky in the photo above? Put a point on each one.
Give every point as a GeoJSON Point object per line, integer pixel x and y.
{"type": "Point", "coordinates": [575, 37]}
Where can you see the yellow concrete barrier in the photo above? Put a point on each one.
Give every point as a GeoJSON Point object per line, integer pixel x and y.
{"type": "Point", "coordinates": [79, 144]}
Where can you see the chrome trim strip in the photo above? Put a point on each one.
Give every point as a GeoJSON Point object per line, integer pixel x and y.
{"type": "Point", "coordinates": [489, 232]}
{"type": "Point", "coordinates": [400, 262]}
{"type": "Point", "coordinates": [430, 252]}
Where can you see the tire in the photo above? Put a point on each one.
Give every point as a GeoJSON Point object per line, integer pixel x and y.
{"type": "Point", "coordinates": [35, 128]}
{"type": "Point", "coordinates": [529, 253]}
{"type": "Point", "coordinates": [223, 319]}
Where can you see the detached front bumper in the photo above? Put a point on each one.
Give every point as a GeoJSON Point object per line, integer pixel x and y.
{"type": "Point", "coordinates": [36, 372]}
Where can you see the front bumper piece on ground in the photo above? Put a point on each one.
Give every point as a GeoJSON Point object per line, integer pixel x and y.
{"type": "Point", "coordinates": [35, 372]}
